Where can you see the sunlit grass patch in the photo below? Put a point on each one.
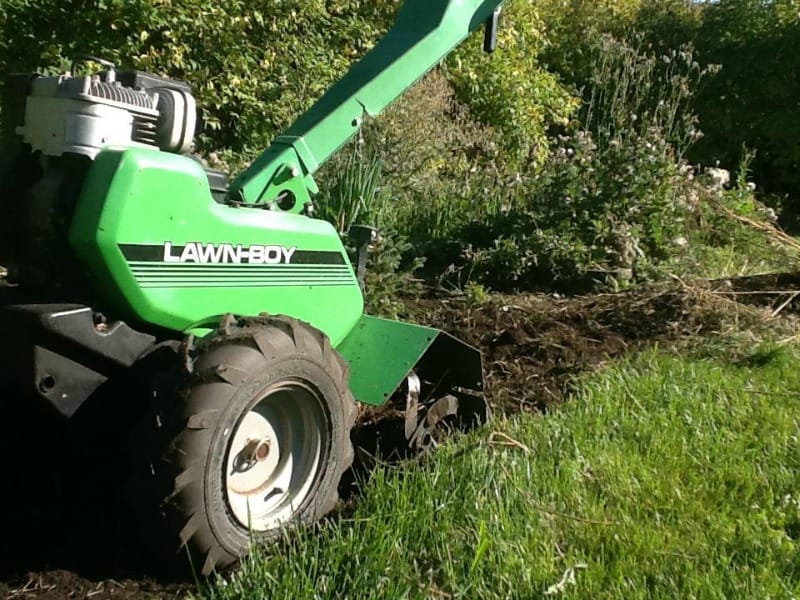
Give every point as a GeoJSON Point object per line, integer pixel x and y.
{"type": "Point", "coordinates": [661, 477]}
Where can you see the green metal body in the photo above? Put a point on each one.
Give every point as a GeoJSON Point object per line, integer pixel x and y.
{"type": "Point", "coordinates": [382, 352]}
{"type": "Point", "coordinates": [141, 209]}
{"type": "Point", "coordinates": [163, 252]}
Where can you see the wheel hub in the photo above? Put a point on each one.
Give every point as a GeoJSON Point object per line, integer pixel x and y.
{"type": "Point", "coordinates": [274, 456]}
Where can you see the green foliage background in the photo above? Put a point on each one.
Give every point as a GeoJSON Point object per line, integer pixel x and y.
{"type": "Point", "coordinates": [560, 157]}
{"type": "Point", "coordinates": [755, 99]}
{"type": "Point", "coordinates": [751, 102]}
{"type": "Point", "coordinates": [255, 65]}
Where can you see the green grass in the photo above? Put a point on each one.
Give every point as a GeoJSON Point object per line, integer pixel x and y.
{"type": "Point", "coordinates": [663, 477]}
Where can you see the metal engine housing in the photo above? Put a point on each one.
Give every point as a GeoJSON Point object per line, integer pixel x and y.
{"type": "Point", "coordinates": [81, 115]}
{"type": "Point", "coordinates": [53, 128]}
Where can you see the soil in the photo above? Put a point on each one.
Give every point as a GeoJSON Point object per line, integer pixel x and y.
{"type": "Point", "coordinates": [534, 346]}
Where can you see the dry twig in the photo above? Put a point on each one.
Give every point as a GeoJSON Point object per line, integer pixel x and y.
{"type": "Point", "coordinates": [507, 441]}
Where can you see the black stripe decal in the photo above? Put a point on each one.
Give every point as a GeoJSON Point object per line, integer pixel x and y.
{"type": "Point", "coordinates": [142, 252]}
{"type": "Point", "coordinates": [177, 285]}
{"type": "Point", "coordinates": [154, 253]}
{"type": "Point", "coordinates": [317, 257]}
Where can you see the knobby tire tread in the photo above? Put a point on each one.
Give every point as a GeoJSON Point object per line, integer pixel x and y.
{"type": "Point", "coordinates": [183, 424]}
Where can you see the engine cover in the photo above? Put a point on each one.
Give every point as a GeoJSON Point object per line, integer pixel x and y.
{"type": "Point", "coordinates": [52, 130]}
{"type": "Point", "coordinates": [158, 249]}
{"type": "Point", "coordinates": [82, 115]}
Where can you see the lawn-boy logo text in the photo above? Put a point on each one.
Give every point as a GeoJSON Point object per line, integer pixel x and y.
{"type": "Point", "coordinates": [196, 252]}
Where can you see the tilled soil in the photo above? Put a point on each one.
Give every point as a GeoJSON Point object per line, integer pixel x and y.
{"type": "Point", "coordinates": [534, 346]}
{"type": "Point", "coordinates": [68, 585]}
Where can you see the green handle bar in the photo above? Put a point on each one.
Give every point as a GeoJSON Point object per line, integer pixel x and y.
{"type": "Point", "coordinates": [424, 32]}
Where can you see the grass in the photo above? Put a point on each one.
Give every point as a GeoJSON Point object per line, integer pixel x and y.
{"type": "Point", "coordinates": [663, 477]}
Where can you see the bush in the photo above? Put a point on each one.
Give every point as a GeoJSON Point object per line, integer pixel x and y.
{"type": "Point", "coordinates": [753, 99]}
{"type": "Point", "coordinates": [511, 90]}
{"type": "Point", "coordinates": [613, 195]}
{"type": "Point", "coordinates": [431, 147]}
{"type": "Point", "coordinates": [608, 215]}
{"type": "Point", "coordinates": [573, 27]}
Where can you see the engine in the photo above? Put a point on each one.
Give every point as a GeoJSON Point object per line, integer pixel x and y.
{"type": "Point", "coordinates": [53, 127]}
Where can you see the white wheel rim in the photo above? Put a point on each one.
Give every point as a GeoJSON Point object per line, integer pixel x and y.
{"type": "Point", "coordinates": [276, 456]}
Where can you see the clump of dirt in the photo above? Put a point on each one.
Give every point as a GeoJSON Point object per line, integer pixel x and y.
{"type": "Point", "coordinates": [66, 585]}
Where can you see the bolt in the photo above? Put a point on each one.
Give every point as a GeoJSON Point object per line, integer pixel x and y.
{"type": "Point", "coordinates": [46, 384]}
{"type": "Point", "coordinates": [262, 450]}
{"type": "Point", "coordinates": [255, 451]}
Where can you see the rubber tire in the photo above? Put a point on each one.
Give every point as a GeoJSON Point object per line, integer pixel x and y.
{"type": "Point", "coordinates": [180, 451]}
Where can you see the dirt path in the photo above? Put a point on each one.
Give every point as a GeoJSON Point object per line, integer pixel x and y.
{"type": "Point", "coordinates": [533, 347]}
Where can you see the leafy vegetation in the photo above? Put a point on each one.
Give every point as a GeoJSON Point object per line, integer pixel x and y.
{"type": "Point", "coordinates": [750, 101]}
{"type": "Point", "coordinates": [510, 90]}
{"type": "Point", "coordinates": [755, 94]}
{"type": "Point", "coordinates": [613, 195]}
{"type": "Point", "coordinates": [254, 66]}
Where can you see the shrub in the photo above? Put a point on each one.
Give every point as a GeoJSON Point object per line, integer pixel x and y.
{"type": "Point", "coordinates": [607, 214]}
{"type": "Point", "coordinates": [573, 26]}
{"type": "Point", "coordinates": [608, 201]}
{"type": "Point", "coordinates": [613, 195]}
{"type": "Point", "coordinates": [633, 91]}
{"type": "Point", "coordinates": [431, 146]}
{"type": "Point", "coordinates": [753, 100]}
{"type": "Point", "coordinates": [511, 90]}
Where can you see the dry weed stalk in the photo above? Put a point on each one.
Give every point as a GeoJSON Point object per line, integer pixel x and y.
{"type": "Point", "coordinates": [773, 234]}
